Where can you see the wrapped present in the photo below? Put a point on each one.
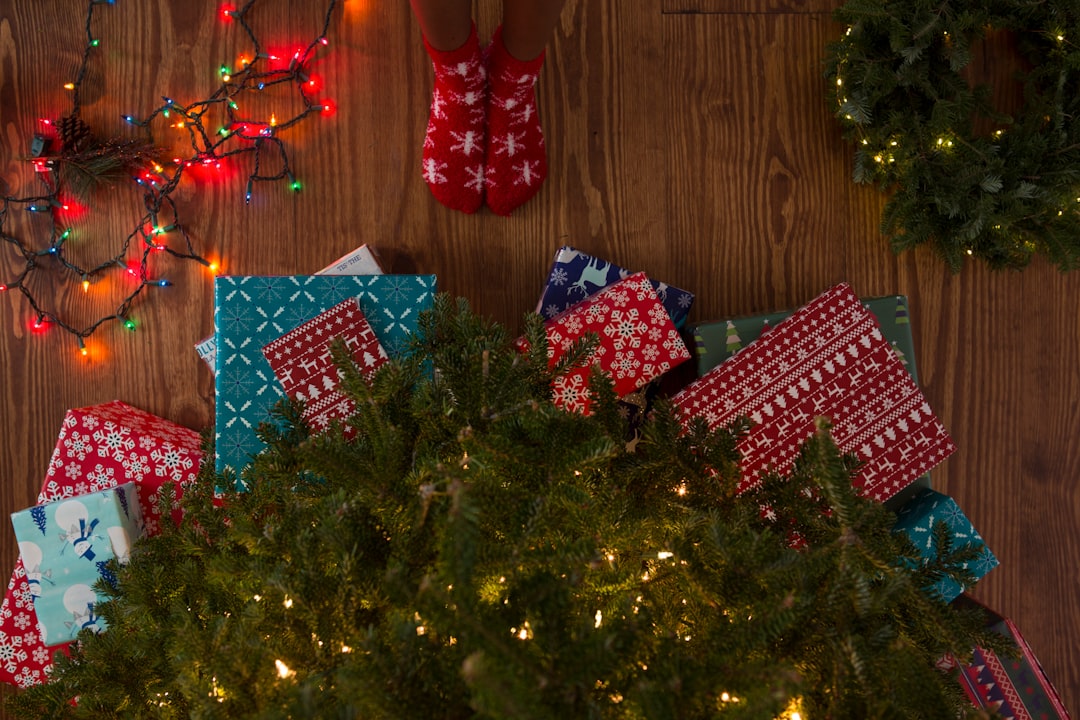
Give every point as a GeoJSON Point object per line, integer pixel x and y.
{"type": "Point", "coordinates": [99, 447]}
{"type": "Point", "coordinates": [361, 261]}
{"type": "Point", "coordinates": [576, 276]}
{"type": "Point", "coordinates": [637, 340]}
{"type": "Point", "coordinates": [827, 359]}
{"type": "Point", "coordinates": [1014, 688]}
{"type": "Point", "coordinates": [252, 311]}
{"type": "Point", "coordinates": [302, 362]}
{"type": "Point", "coordinates": [65, 547]}
{"type": "Point", "coordinates": [715, 342]}
{"type": "Point", "coordinates": [918, 518]}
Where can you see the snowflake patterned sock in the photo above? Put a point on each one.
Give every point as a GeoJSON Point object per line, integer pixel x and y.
{"type": "Point", "coordinates": [453, 159]}
{"type": "Point", "coordinates": [516, 164]}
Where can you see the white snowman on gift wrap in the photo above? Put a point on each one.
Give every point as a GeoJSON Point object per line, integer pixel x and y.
{"type": "Point", "coordinates": [31, 557]}
{"type": "Point", "coordinates": [74, 519]}
{"type": "Point", "coordinates": [80, 600]}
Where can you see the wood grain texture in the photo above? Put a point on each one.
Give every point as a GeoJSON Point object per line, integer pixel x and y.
{"type": "Point", "coordinates": [747, 7]}
{"type": "Point", "coordinates": [688, 138]}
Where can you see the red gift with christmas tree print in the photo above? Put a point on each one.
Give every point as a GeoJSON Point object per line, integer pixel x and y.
{"type": "Point", "coordinates": [302, 363]}
{"type": "Point", "coordinates": [827, 359]}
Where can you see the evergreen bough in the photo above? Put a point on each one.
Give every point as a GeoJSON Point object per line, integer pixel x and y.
{"type": "Point", "coordinates": [963, 177]}
{"type": "Point", "coordinates": [476, 552]}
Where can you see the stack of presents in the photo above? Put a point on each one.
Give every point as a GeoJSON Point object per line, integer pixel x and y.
{"type": "Point", "coordinates": [841, 356]}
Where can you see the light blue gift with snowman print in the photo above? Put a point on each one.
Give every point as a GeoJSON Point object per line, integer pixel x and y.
{"type": "Point", "coordinates": [65, 547]}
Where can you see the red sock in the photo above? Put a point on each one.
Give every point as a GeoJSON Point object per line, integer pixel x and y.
{"type": "Point", "coordinates": [516, 164]}
{"type": "Point", "coordinates": [456, 133]}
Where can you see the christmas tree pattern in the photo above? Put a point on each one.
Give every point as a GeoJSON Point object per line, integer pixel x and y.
{"type": "Point", "coordinates": [901, 312]}
{"type": "Point", "coordinates": [122, 497]}
{"type": "Point", "coordinates": [900, 354]}
{"type": "Point", "coordinates": [733, 341]}
{"type": "Point", "coordinates": [38, 514]}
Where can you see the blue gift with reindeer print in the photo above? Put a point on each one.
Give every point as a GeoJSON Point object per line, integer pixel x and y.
{"type": "Point", "coordinates": [576, 276]}
{"type": "Point", "coordinates": [66, 546]}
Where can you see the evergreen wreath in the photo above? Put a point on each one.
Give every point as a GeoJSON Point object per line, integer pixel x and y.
{"type": "Point", "coordinates": [1002, 194]}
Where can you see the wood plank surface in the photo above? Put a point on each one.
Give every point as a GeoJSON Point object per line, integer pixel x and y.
{"type": "Point", "coordinates": [687, 138]}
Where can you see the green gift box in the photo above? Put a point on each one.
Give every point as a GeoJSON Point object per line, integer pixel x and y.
{"type": "Point", "coordinates": [65, 548]}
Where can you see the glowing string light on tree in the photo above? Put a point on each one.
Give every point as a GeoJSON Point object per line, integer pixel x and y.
{"type": "Point", "coordinates": [156, 182]}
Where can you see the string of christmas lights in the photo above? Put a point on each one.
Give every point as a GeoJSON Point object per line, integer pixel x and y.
{"type": "Point", "coordinates": [68, 160]}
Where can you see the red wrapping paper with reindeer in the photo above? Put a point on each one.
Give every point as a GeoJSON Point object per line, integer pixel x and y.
{"type": "Point", "coordinates": [302, 363]}
{"type": "Point", "coordinates": [99, 447]}
{"type": "Point", "coordinates": [637, 341]}
{"type": "Point", "coordinates": [828, 359]}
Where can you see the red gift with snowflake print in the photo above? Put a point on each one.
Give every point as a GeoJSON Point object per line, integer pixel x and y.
{"type": "Point", "coordinates": [302, 363]}
{"type": "Point", "coordinates": [638, 341]}
{"type": "Point", "coordinates": [827, 359]}
{"type": "Point", "coordinates": [99, 447]}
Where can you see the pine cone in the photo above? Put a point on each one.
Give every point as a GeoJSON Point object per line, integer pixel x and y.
{"type": "Point", "coordinates": [74, 133]}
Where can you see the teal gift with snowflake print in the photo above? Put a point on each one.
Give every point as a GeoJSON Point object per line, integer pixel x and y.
{"type": "Point", "coordinates": [918, 518]}
{"type": "Point", "coordinates": [66, 546]}
{"type": "Point", "coordinates": [252, 311]}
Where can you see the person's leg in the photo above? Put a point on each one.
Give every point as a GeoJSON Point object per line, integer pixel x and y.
{"type": "Point", "coordinates": [528, 24]}
{"type": "Point", "coordinates": [456, 138]}
{"type": "Point", "coordinates": [516, 164]}
{"type": "Point", "coordinates": [446, 24]}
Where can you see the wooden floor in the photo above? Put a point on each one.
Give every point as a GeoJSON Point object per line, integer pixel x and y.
{"type": "Point", "coordinates": [687, 138]}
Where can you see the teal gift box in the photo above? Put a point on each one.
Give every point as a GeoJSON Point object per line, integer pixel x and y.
{"type": "Point", "coordinates": [253, 311]}
{"type": "Point", "coordinates": [65, 548]}
{"type": "Point", "coordinates": [919, 516]}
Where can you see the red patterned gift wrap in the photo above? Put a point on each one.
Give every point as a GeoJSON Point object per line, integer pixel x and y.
{"type": "Point", "coordinates": [99, 447]}
{"type": "Point", "coordinates": [1014, 688]}
{"type": "Point", "coordinates": [302, 363]}
{"type": "Point", "coordinates": [827, 359]}
{"type": "Point", "coordinates": [637, 341]}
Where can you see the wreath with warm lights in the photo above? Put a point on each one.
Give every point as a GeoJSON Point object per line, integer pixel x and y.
{"type": "Point", "coordinates": [963, 177]}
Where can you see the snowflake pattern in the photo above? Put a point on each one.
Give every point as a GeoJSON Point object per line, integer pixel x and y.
{"type": "Point", "coordinates": [113, 441]}
{"type": "Point", "coordinates": [136, 466]}
{"type": "Point", "coordinates": [78, 446]}
{"type": "Point", "coordinates": [636, 342]}
{"type": "Point", "coordinates": [171, 463]}
{"type": "Point", "coordinates": [571, 392]}
{"type": "Point", "coordinates": [101, 477]}
{"type": "Point", "coordinates": [28, 678]}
